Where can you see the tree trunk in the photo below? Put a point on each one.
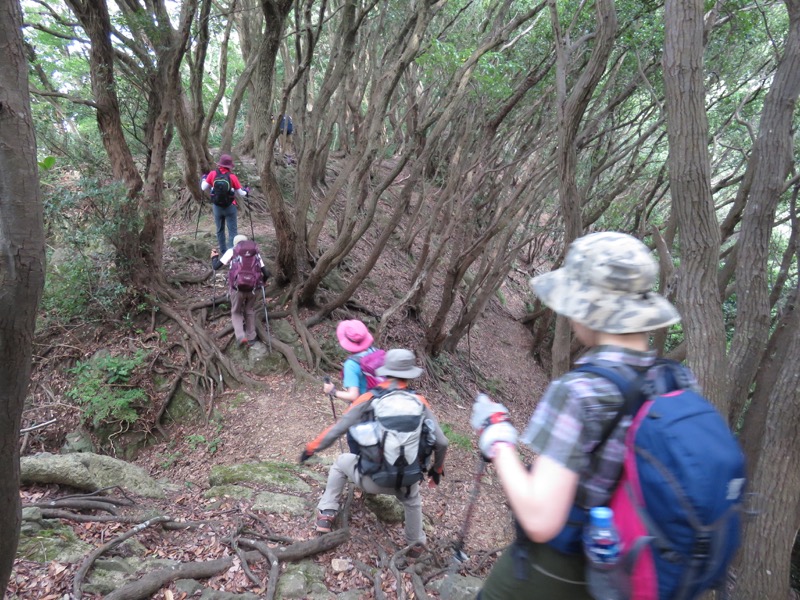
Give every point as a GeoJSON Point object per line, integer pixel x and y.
{"type": "Point", "coordinates": [571, 109]}
{"type": "Point", "coordinates": [771, 159]}
{"type": "Point", "coordinates": [689, 175]}
{"type": "Point", "coordinates": [164, 95]}
{"type": "Point", "coordinates": [22, 266]}
{"type": "Point", "coordinates": [763, 566]}
{"type": "Point", "coordinates": [95, 20]}
{"type": "Point", "coordinates": [275, 13]}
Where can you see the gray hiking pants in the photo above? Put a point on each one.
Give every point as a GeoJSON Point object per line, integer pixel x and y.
{"type": "Point", "coordinates": [243, 315]}
{"type": "Point", "coordinates": [346, 468]}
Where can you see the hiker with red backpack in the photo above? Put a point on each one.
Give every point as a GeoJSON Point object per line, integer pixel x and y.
{"type": "Point", "coordinates": [247, 274]}
{"type": "Point", "coordinates": [400, 440]}
{"type": "Point", "coordinates": [225, 188]}
{"type": "Point", "coordinates": [624, 442]}
{"type": "Point", "coordinates": [358, 371]}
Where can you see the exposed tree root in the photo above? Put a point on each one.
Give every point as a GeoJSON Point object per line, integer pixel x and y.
{"type": "Point", "coordinates": [89, 560]}
{"type": "Point", "coordinates": [57, 513]}
{"type": "Point", "coordinates": [373, 574]}
{"type": "Point", "coordinates": [149, 584]}
{"type": "Point", "coordinates": [78, 504]}
{"type": "Point", "coordinates": [300, 550]}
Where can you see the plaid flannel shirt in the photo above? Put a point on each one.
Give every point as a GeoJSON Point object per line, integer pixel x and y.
{"type": "Point", "coordinates": [570, 419]}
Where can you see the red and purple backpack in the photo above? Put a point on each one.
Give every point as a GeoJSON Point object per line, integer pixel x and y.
{"type": "Point", "coordinates": [370, 363]}
{"type": "Point", "coordinates": [245, 274]}
{"type": "Point", "coordinates": [678, 503]}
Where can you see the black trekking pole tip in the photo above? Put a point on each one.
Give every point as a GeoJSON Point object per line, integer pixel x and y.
{"type": "Point", "coordinates": [458, 552]}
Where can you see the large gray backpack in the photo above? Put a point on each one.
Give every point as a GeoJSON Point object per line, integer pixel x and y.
{"type": "Point", "coordinates": [396, 442]}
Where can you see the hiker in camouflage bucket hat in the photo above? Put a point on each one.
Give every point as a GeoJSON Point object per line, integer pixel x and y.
{"type": "Point", "coordinates": [605, 289]}
{"type": "Point", "coordinates": [606, 284]}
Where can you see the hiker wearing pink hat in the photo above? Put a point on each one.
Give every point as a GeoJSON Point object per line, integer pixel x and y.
{"type": "Point", "coordinates": [354, 337]}
{"type": "Point", "coordinates": [225, 188]}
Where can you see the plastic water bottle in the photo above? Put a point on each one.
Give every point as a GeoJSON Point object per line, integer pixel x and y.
{"type": "Point", "coordinates": [603, 549]}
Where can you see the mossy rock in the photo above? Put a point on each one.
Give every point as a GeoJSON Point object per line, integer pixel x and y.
{"type": "Point", "coordinates": [188, 246]}
{"type": "Point", "coordinates": [53, 542]}
{"type": "Point", "coordinates": [281, 475]}
{"type": "Point", "coordinates": [303, 579]}
{"type": "Point", "coordinates": [284, 504]}
{"type": "Point", "coordinates": [282, 330]}
{"type": "Point", "coordinates": [183, 409]}
{"type": "Point", "coordinates": [229, 491]}
{"type": "Point", "coordinates": [334, 282]}
{"type": "Point", "coordinates": [387, 509]}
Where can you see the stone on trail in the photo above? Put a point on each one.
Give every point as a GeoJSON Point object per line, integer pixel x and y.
{"type": "Point", "coordinates": [88, 471]}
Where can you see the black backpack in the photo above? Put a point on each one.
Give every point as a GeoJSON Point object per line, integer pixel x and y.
{"type": "Point", "coordinates": [222, 190]}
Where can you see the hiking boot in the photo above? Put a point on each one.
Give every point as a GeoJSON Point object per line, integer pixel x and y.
{"type": "Point", "coordinates": [415, 551]}
{"type": "Point", "coordinates": [325, 519]}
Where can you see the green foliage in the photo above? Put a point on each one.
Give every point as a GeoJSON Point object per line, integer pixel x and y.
{"type": "Point", "coordinates": [169, 460]}
{"type": "Point", "coordinates": [194, 440]}
{"type": "Point", "coordinates": [47, 163]}
{"type": "Point", "coordinates": [457, 440]}
{"type": "Point", "coordinates": [82, 267]}
{"type": "Point", "coordinates": [82, 287]}
{"type": "Point", "coordinates": [101, 388]}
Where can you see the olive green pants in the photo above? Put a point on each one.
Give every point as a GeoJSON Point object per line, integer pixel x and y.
{"type": "Point", "coordinates": [528, 571]}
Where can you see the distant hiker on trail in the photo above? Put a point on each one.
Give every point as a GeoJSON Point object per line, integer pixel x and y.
{"type": "Point", "coordinates": [286, 128]}
{"type": "Point", "coordinates": [247, 274]}
{"type": "Point", "coordinates": [578, 432]}
{"type": "Point", "coordinates": [397, 432]}
{"type": "Point", "coordinates": [225, 187]}
{"type": "Point", "coordinates": [354, 337]}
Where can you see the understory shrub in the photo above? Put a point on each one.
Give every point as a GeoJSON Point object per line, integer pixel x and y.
{"type": "Point", "coordinates": [102, 388]}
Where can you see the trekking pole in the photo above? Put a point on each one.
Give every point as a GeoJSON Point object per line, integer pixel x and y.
{"type": "Point", "coordinates": [327, 379]}
{"type": "Point", "coordinates": [199, 210]}
{"type": "Point", "coordinates": [266, 318]}
{"type": "Point", "coordinates": [250, 214]}
{"type": "Point", "coordinates": [197, 226]}
{"type": "Point", "coordinates": [458, 545]}
{"type": "Point", "coordinates": [213, 291]}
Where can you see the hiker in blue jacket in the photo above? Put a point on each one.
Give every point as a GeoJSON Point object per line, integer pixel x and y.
{"type": "Point", "coordinates": [604, 288]}
{"type": "Point", "coordinates": [354, 337]}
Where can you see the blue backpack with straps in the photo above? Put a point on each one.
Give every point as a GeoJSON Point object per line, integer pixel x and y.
{"type": "Point", "coordinates": [678, 503]}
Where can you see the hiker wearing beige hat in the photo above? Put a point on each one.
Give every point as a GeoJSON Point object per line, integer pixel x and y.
{"type": "Point", "coordinates": [400, 441]}
{"type": "Point", "coordinates": [605, 289]}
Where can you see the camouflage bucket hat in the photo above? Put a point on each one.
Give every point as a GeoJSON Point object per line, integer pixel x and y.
{"type": "Point", "coordinates": [605, 284]}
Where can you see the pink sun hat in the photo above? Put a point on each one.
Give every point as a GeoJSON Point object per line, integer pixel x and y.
{"type": "Point", "coordinates": [353, 335]}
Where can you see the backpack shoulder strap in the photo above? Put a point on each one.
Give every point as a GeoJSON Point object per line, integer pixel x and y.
{"type": "Point", "coordinates": [631, 389]}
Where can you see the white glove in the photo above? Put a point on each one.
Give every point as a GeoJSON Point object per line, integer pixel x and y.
{"type": "Point", "coordinates": [490, 421]}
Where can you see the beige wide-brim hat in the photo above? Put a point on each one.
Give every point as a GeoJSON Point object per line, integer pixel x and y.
{"type": "Point", "coordinates": [239, 238]}
{"type": "Point", "coordinates": [606, 284]}
{"type": "Point", "coordinates": [399, 363]}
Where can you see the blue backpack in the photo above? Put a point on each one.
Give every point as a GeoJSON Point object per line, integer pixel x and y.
{"type": "Point", "coordinates": [678, 503]}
